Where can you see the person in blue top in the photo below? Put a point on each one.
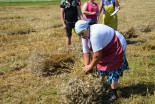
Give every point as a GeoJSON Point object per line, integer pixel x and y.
{"type": "Point", "coordinates": [109, 6]}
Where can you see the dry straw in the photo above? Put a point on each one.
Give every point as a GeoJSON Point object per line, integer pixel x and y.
{"type": "Point", "coordinates": [37, 64]}
{"type": "Point", "coordinates": [42, 64]}
{"type": "Point", "coordinates": [82, 90]}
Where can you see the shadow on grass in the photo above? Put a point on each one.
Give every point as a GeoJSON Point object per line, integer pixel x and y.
{"type": "Point", "coordinates": [142, 89]}
{"type": "Point", "coordinates": [134, 42]}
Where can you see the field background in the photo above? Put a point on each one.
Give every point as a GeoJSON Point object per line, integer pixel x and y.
{"type": "Point", "coordinates": [29, 0]}
{"type": "Point", "coordinates": [28, 33]}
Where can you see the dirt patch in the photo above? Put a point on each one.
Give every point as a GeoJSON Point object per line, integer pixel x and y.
{"type": "Point", "coordinates": [1, 73]}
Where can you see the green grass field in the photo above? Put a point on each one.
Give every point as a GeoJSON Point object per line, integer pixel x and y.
{"type": "Point", "coordinates": [25, 0]}
{"type": "Point", "coordinates": [28, 2]}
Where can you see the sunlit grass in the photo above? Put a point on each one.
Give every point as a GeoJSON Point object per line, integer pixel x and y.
{"type": "Point", "coordinates": [26, 28]}
{"type": "Point", "coordinates": [28, 2]}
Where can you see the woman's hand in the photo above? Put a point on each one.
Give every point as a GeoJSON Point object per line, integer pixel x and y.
{"type": "Point", "coordinates": [93, 13]}
{"type": "Point", "coordinates": [87, 68]}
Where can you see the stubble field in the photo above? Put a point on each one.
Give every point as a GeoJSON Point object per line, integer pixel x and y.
{"type": "Point", "coordinates": [35, 69]}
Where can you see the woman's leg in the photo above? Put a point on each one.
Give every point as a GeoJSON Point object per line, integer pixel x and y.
{"type": "Point", "coordinates": [113, 93]}
{"type": "Point", "coordinates": [68, 42]}
{"type": "Point", "coordinates": [114, 84]}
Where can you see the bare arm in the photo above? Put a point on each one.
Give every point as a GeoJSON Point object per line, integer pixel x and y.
{"type": "Point", "coordinates": [85, 11]}
{"type": "Point", "coordinates": [117, 4]}
{"type": "Point", "coordinates": [98, 14]}
{"type": "Point", "coordinates": [100, 6]}
{"type": "Point", "coordinates": [79, 12]}
{"type": "Point", "coordinates": [96, 58]}
{"type": "Point", "coordinates": [62, 17]}
{"type": "Point", "coordinates": [86, 58]}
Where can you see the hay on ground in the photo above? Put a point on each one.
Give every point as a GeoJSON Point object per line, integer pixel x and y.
{"type": "Point", "coordinates": [41, 64]}
{"type": "Point", "coordinates": [144, 28]}
{"type": "Point", "coordinates": [80, 90]}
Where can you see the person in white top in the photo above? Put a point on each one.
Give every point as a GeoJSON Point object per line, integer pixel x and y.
{"type": "Point", "coordinates": [108, 47]}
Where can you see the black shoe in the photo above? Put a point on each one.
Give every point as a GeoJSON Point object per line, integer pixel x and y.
{"type": "Point", "coordinates": [112, 96]}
